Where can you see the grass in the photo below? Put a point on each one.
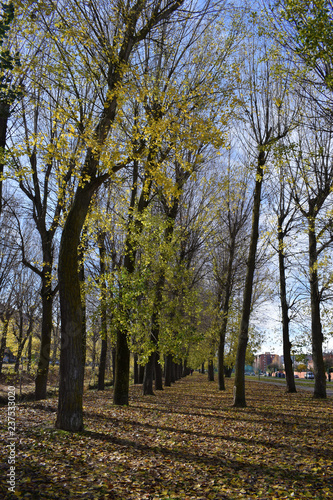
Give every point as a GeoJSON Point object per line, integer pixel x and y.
{"type": "Point", "coordinates": [186, 442]}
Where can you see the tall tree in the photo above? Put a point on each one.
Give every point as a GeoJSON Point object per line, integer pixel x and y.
{"type": "Point", "coordinates": [129, 25]}
{"type": "Point", "coordinates": [228, 257]}
{"type": "Point", "coordinates": [285, 219]}
{"type": "Point", "coordinates": [267, 123]}
{"type": "Point", "coordinates": [311, 174]}
{"type": "Point", "coordinates": [10, 82]}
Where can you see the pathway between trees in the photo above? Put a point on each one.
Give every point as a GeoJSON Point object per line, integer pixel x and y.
{"type": "Point", "coordinates": [186, 442]}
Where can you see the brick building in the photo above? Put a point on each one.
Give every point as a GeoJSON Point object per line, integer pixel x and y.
{"type": "Point", "coordinates": [262, 361]}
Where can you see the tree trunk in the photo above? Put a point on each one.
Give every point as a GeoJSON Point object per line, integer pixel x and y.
{"type": "Point", "coordinates": [141, 374]}
{"type": "Point", "coordinates": [154, 336]}
{"type": "Point", "coordinates": [316, 328]}
{"type": "Point", "coordinates": [45, 341]}
{"type": "Point", "coordinates": [29, 354]}
{"type": "Point", "coordinates": [203, 368]}
{"type": "Point", "coordinates": [102, 365]}
{"type": "Point", "coordinates": [20, 342]}
{"type": "Point", "coordinates": [122, 365]}
{"type": "Point", "coordinates": [70, 412]}
{"type": "Point", "coordinates": [239, 388]}
{"type": "Point", "coordinates": [210, 370]}
{"type": "Point", "coordinates": [221, 361]}
{"type": "Point", "coordinates": [136, 369]}
{"type": "Point", "coordinates": [185, 370]}
{"type": "Point", "coordinates": [5, 322]}
{"type": "Point", "coordinates": [288, 365]}
{"type": "Point", "coordinates": [168, 369]}
{"type": "Point", "coordinates": [147, 386]}
{"type": "Point", "coordinates": [113, 362]}
{"type": "Point", "coordinates": [158, 373]}
{"type": "Point", "coordinates": [225, 312]}
{"type": "Point", "coordinates": [19, 355]}
{"type": "Point", "coordinates": [173, 372]}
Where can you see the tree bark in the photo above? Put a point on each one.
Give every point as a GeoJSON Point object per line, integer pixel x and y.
{"type": "Point", "coordinates": [158, 373]}
{"type": "Point", "coordinates": [147, 385]}
{"type": "Point", "coordinates": [45, 341]}
{"type": "Point", "coordinates": [290, 380]}
{"type": "Point", "coordinates": [239, 387]}
{"type": "Point", "coordinates": [122, 365]}
{"type": "Point", "coordinates": [70, 412]}
{"type": "Point", "coordinates": [316, 327]}
{"type": "Point", "coordinates": [5, 322]}
{"type": "Point", "coordinates": [173, 371]}
{"type": "Point", "coordinates": [185, 370]}
{"type": "Point", "coordinates": [102, 365]}
{"type": "Point", "coordinates": [141, 374]}
{"type": "Point", "coordinates": [168, 369]}
{"type": "Point", "coordinates": [154, 336]}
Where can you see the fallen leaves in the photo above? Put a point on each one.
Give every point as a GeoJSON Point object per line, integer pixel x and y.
{"type": "Point", "coordinates": [186, 442]}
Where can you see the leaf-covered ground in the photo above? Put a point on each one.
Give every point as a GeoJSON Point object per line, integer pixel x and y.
{"type": "Point", "coordinates": [186, 442]}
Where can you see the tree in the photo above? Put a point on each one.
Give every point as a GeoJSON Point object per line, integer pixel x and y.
{"type": "Point", "coordinates": [285, 212]}
{"type": "Point", "coordinates": [228, 257]}
{"type": "Point", "coordinates": [173, 138]}
{"type": "Point", "coordinates": [282, 232]}
{"type": "Point", "coordinates": [311, 175]}
{"type": "Point", "coordinates": [263, 107]}
{"type": "Point", "coordinates": [133, 23]}
{"type": "Point", "coordinates": [9, 262]}
{"type": "Point", "coordinates": [26, 306]}
{"type": "Point", "coordinates": [10, 82]}
{"type": "Point", "coordinates": [306, 29]}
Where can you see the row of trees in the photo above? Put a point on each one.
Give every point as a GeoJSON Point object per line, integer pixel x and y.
{"type": "Point", "coordinates": [142, 140]}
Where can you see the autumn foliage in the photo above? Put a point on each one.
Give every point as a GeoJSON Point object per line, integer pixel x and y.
{"type": "Point", "coordinates": [186, 442]}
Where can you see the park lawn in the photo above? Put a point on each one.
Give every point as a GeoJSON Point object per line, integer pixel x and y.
{"type": "Point", "coordinates": [186, 442]}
